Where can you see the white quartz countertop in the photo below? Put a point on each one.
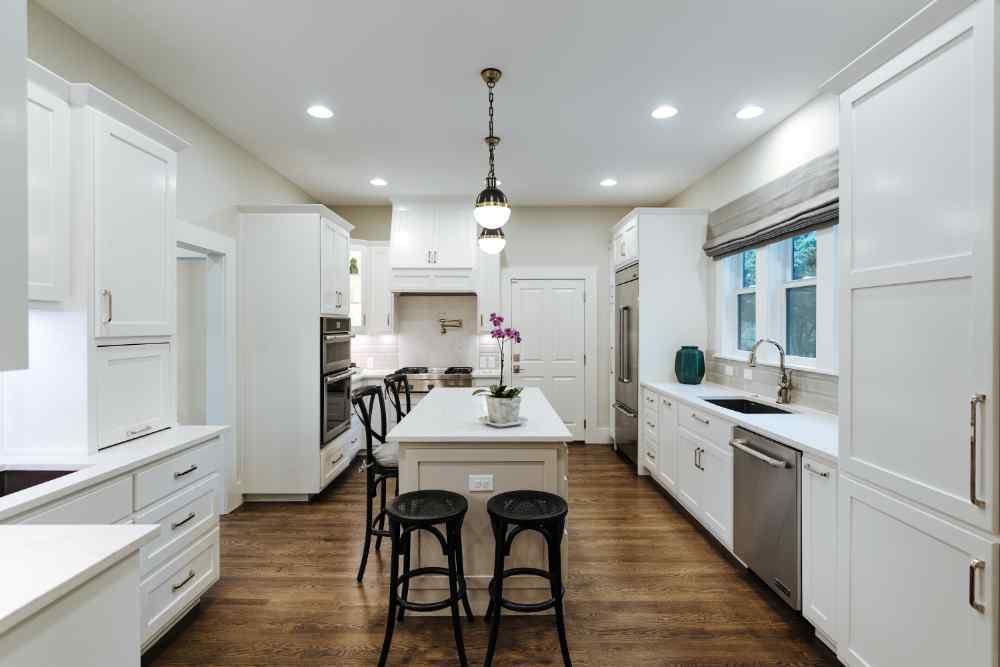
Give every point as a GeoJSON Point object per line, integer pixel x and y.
{"type": "Point", "coordinates": [810, 431]}
{"type": "Point", "coordinates": [453, 415]}
{"type": "Point", "coordinates": [95, 468]}
{"type": "Point", "coordinates": [40, 564]}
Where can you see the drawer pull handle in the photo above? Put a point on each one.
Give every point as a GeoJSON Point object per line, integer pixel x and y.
{"type": "Point", "coordinates": [178, 475]}
{"type": "Point", "coordinates": [187, 579]}
{"type": "Point", "coordinates": [175, 526]}
{"type": "Point", "coordinates": [973, 566]}
{"type": "Point", "coordinates": [141, 429]}
{"type": "Point", "coordinates": [695, 417]}
{"type": "Point", "coordinates": [651, 455]}
{"type": "Point", "coordinates": [824, 475]}
{"type": "Point", "coordinates": [668, 404]}
{"type": "Point", "coordinates": [650, 424]}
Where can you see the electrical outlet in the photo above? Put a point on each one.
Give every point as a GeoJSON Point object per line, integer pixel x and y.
{"type": "Point", "coordinates": [747, 374]}
{"type": "Point", "coordinates": [370, 362]}
{"type": "Point", "coordinates": [729, 370]}
{"type": "Point", "coordinates": [480, 482]}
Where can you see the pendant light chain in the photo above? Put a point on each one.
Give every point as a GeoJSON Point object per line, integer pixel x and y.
{"type": "Point", "coordinates": [490, 141]}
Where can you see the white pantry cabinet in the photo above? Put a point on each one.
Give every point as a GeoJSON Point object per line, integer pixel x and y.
{"type": "Point", "coordinates": [819, 545]}
{"type": "Point", "coordinates": [335, 241]}
{"type": "Point", "coordinates": [48, 194]}
{"type": "Point", "coordinates": [134, 183]}
{"type": "Point", "coordinates": [13, 188]}
{"type": "Point", "coordinates": [439, 234]}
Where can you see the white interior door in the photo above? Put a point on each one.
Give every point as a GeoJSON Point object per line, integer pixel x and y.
{"type": "Point", "coordinates": [550, 315]}
{"type": "Point", "coordinates": [917, 252]}
{"type": "Point", "coordinates": [135, 180]}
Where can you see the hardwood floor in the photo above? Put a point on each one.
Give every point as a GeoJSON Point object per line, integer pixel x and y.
{"type": "Point", "coordinates": [646, 587]}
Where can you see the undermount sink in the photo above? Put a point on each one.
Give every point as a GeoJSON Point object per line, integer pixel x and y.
{"type": "Point", "coordinates": [746, 406]}
{"type": "Point", "coordinates": [12, 481]}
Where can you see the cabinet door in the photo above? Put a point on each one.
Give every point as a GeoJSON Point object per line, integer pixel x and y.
{"type": "Point", "coordinates": [666, 461]}
{"type": "Point", "coordinates": [819, 545]}
{"type": "Point", "coordinates": [908, 583]}
{"type": "Point", "coordinates": [454, 237]}
{"type": "Point", "coordinates": [689, 476]}
{"type": "Point", "coordinates": [717, 491]}
{"type": "Point", "coordinates": [379, 297]}
{"type": "Point", "coordinates": [412, 236]}
{"type": "Point", "coordinates": [135, 392]}
{"type": "Point", "coordinates": [359, 282]}
{"type": "Point", "coordinates": [334, 269]}
{"type": "Point", "coordinates": [488, 289]}
{"type": "Point", "coordinates": [341, 270]}
{"type": "Point", "coordinates": [48, 195]}
{"type": "Point", "coordinates": [917, 267]}
{"type": "Point", "coordinates": [135, 182]}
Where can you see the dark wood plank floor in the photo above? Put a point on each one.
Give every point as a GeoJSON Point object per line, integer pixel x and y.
{"type": "Point", "coordinates": [646, 587]}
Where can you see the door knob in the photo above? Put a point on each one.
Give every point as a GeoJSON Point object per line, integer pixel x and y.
{"type": "Point", "coordinates": [517, 369]}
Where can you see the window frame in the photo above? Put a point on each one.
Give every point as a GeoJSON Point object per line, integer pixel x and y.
{"type": "Point", "coordinates": [741, 290]}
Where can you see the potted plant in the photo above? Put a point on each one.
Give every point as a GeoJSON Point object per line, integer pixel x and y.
{"type": "Point", "coordinates": [503, 403]}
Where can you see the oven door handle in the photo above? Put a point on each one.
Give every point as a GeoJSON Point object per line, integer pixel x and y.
{"type": "Point", "coordinates": [330, 379]}
{"type": "Point", "coordinates": [337, 338]}
{"type": "Point", "coordinates": [741, 445]}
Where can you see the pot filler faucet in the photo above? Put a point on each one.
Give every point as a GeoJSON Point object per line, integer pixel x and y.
{"type": "Point", "coordinates": [785, 381]}
{"type": "Point", "coordinates": [449, 324]}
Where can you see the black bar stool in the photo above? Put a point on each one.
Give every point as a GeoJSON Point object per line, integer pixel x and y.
{"type": "Point", "coordinates": [424, 510]}
{"type": "Point", "coordinates": [544, 513]}
{"type": "Point", "coordinates": [381, 464]}
{"type": "Point", "coordinates": [394, 384]}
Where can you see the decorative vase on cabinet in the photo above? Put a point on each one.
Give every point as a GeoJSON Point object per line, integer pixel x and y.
{"type": "Point", "coordinates": [689, 365]}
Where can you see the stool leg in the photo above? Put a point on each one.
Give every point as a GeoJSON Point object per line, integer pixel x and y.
{"type": "Point", "coordinates": [555, 530]}
{"type": "Point", "coordinates": [461, 574]}
{"type": "Point", "coordinates": [406, 570]}
{"type": "Point", "coordinates": [453, 587]}
{"type": "Point", "coordinates": [390, 622]}
{"type": "Point", "coordinates": [368, 527]}
{"type": "Point", "coordinates": [381, 516]}
{"type": "Point", "coordinates": [499, 533]}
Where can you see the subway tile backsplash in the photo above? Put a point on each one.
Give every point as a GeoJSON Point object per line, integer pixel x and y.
{"type": "Point", "coordinates": [813, 390]}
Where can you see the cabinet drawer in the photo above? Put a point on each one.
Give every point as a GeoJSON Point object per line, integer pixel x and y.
{"type": "Point", "coordinates": [332, 457]}
{"type": "Point", "coordinates": [161, 479]}
{"type": "Point", "coordinates": [650, 452]}
{"type": "Point", "coordinates": [177, 584]}
{"type": "Point", "coordinates": [109, 503]}
{"type": "Point", "coordinates": [184, 515]}
{"type": "Point", "coordinates": [715, 430]}
{"type": "Point", "coordinates": [649, 401]}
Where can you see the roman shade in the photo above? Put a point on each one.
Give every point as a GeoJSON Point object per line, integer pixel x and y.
{"type": "Point", "coordinates": [800, 201]}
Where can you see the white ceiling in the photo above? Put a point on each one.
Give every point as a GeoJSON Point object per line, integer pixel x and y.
{"type": "Point", "coordinates": [402, 76]}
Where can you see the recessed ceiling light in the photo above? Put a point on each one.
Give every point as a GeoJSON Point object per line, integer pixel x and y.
{"type": "Point", "coordinates": [749, 111]}
{"type": "Point", "coordinates": [664, 111]}
{"type": "Point", "coordinates": [319, 111]}
{"type": "Point", "coordinates": [379, 182]}
{"type": "Point", "coordinates": [609, 183]}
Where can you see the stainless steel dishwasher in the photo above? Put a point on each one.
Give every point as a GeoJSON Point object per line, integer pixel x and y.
{"type": "Point", "coordinates": [767, 494]}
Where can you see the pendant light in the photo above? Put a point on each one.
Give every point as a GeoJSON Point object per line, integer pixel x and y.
{"type": "Point", "coordinates": [492, 210]}
{"type": "Point", "coordinates": [492, 241]}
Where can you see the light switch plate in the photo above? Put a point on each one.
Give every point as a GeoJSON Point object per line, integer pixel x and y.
{"type": "Point", "coordinates": [480, 482]}
{"type": "Point", "coordinates": [747, 374]}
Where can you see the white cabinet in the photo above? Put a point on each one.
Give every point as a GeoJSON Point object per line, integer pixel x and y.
{"type": "Point", "coordinates": [819, 545]}
{"type": "Point", "coordinates": [914, 589]}
{"type": "Point", "coordinates": [626, 243]}
{"type": "Point", "coordinates": [488, 289]}
{"type": "Point", "coordinates": [439, 234]}
{"type": "Point", "coordinates": [13, 188]}
{"type": "Point", "coordinates": [379, 296]}
{"type": "Point", "coordinates": [335, 244]}
{"type": "Point", "coordinates": [48, 195]}
{"type": "Point", "coordinates": [716, 466]}
{"type": "Point", "coordinates": [666, 459]}
{"type": "Point", "coordinates": [135, 391]}
{"type": "Point", "coordinates": [134, 200]}
{"type": "Point", "coordinates": [690, 481]}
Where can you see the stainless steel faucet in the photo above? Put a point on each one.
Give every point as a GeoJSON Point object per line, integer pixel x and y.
{"type": "Point", "coordinates": [785, 381]}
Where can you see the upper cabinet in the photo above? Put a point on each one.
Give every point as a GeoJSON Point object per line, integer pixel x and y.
{"type": "Point", "coordinates": [335, 242]}
{"type": "Point", "coordinates": [626, 243]}
{"type": "Point", "coordinates": [131, 189]}
{"type": "Point", "coordinates": [48, 195]}
{"type": "Point", "coordinates": [438, 234]}
{"type": "Point", "coordinates": [13, 188]}
{"type": "Point", "coordinates": [378, 297]}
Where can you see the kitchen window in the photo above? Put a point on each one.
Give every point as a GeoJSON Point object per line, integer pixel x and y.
{"type": "Point", "coordinates": [785, 291]}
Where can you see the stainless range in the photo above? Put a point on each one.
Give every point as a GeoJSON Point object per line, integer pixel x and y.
{"type": "Point", "coordinates": [422, 379]}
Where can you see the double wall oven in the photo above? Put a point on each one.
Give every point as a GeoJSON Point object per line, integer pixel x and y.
{"type": "Point", "coordinates": [335, 377]}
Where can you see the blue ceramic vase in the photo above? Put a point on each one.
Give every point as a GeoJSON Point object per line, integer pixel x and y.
{"type": "Point", "coordinates": [689, 365]}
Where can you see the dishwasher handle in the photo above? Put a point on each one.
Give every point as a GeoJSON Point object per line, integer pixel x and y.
{"type": "Point", "coordinates": [741, 444]}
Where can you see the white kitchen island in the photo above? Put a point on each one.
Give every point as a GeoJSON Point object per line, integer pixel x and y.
{"type": "Point", "coordinates": [444, 445]}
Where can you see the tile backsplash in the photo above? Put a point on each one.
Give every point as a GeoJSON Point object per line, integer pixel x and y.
{"type": "Point", "coordinates": [813, 390]}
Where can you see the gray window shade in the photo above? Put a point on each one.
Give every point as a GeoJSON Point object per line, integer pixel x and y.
{"type": "Point", "coordinates": [800, 201]}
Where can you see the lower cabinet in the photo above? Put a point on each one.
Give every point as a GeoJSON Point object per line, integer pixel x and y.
{"type": "Point", "coordinates": [666, 459]}
{"type": "Point", "coordinates": [717, 491]}
{"type": "Point", "coordinates": [819, 546]}
{"type": "Point", "coordinates": [689, 477]}
{"type": "Point", "coordinates": [916, 589]}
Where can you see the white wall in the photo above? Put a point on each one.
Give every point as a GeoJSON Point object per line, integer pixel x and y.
{"type": "Point", "coordinates": [213, 176]}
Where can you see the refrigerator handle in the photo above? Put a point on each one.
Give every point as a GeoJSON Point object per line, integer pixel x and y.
{"type": "Point", "coordinates": [626, 347]}
{"type": "Point", "coordinates": [618, 348]}
{"type": "Point", "coordinates": [625, 411]}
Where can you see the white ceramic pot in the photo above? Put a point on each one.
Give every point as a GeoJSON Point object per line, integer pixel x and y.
{"type": "Point", "coordinates": [503, 410]}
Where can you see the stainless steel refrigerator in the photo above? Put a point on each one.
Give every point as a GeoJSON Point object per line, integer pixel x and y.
{"type": "Point", "coordinates": [626, 435]}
